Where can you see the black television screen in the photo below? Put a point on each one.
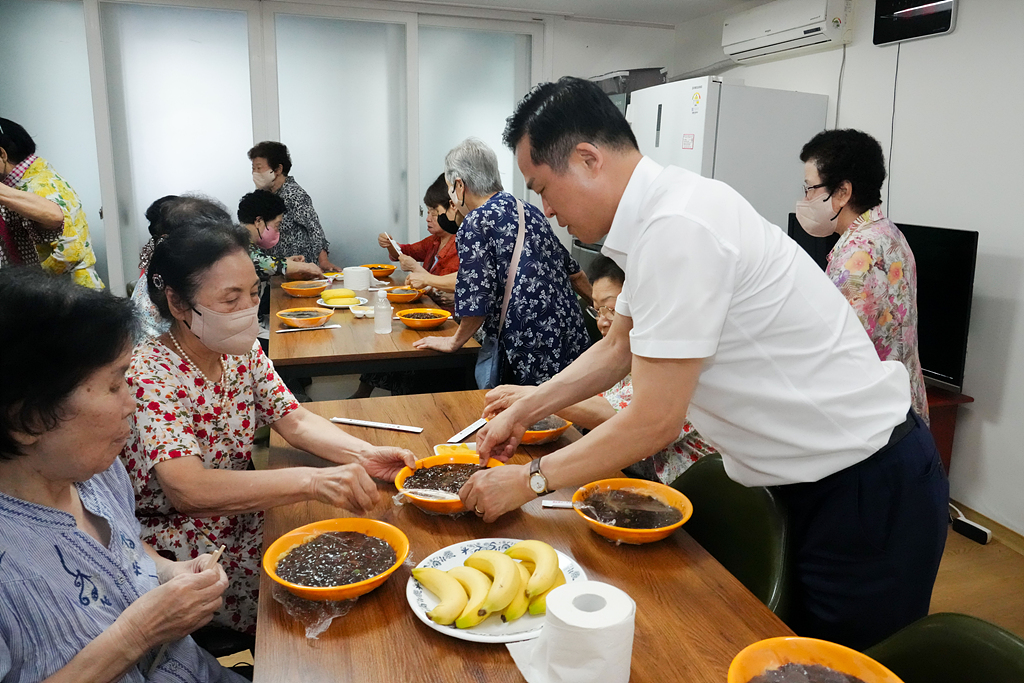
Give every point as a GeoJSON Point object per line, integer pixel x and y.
{"type": "Point", "coordinates": [897, 20]}
{"type": "Point", "coordinates": [945, 287]}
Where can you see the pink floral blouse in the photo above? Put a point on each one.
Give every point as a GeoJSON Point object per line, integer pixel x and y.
{"type": "Point", "coordinates": [873, 267]}
{"type": "Point", "coordinates": [179, 415]}
{"type": "Point", "coordinates": [671, 461]}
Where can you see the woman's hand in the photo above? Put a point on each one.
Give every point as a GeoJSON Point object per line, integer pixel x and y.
{"type": "Point", "coordinates": [442, 344]}
{"type": "Point", "coordinates": [384, 462]}
{"type": "Point", "coordinates": [416, 279]}
{"type": "Point", "coordinates": [383, 241]}
{"type": "Point", "coordinates": [410, 265]}
{"type": "Point", "coordinates": [296, 258]}
{"type": "Point", "coordinates": [300, 270]}
{"type": "Point", "coordinates": [492, 492]}
{"type": "Point", "coordinates": [172, 610]}
{"type": "Point", "coordinates": [346, 486]}
{"type": "Point", "coordinates": [500, 398]}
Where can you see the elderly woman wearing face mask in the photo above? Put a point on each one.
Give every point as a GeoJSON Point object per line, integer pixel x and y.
{"type": "Point", "coordinates": [201, 391]}
{"type": "Point", "coordinates": [871, 264]}
{"type": "Point", "coordinates": [261, 213]}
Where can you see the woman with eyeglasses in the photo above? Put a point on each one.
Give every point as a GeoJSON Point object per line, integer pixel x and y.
{"type": "Point", "coordinates": [871, 264]}
{"type": "Point", "coordinates": [664, 466]}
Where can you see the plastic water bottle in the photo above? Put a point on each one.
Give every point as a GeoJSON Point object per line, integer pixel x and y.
{"type": "Point", "coordinates": [382, 313]}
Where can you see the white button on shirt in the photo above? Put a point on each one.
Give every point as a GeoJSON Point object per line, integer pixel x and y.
{"type": "Point", "coordinates": [792, 389]}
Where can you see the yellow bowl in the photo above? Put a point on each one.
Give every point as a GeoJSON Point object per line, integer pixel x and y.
{"type": "Point", "coordinates": [314, 321]}
{"type": "Point", "coordinates": [772, 653]}
{"type": "Point", "coordinates": [296, 537]}
{"type": "Point", "coordinates": [304, 288]}
{"type": "Point", "coordinates": [380, 269]}
{"type": "Point", "coordinates": [425, 323]}
{"type": "Point", "coordinates": [666, 494]}
{"type": "Point", "coordinates": [443, 507]}
{"type": "Point", "coordinates": [542, 436]}
{"type": "Point", "coordinates": [397, 298]}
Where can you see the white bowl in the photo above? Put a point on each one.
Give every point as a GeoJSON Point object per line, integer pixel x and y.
{"type": "Point", "coordinates": [362, 311]}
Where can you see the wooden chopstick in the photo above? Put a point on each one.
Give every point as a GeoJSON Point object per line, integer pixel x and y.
{"type": "Point", "coordinates": [163, 648]}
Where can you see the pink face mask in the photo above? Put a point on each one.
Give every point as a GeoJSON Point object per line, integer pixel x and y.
{"type": "Point", "coordinates": [268, 238]}
{"type": "Point", "coordinates": [230, 333]}
{"type": "Point", "coordinates": [815, 216]}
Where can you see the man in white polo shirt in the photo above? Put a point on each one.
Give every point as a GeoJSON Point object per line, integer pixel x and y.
{"type": "Point", "coordinates": [723, 317]}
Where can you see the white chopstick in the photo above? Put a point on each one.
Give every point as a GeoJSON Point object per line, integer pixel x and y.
{"type": "Point", "coordinates": [376, 425]}
{"type": "Point", "coordinates": [467, 431]}
{"type": "Point", "coordinates": [306, 329]}
{"type": "Point", "coordinates": [394, 243]}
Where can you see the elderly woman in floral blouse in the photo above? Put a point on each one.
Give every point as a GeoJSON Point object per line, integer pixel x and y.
{"type": "Point", "coordinates": [45, 222]}
{"type": "Point", "coordinates": [871, 264]}
{"type": "Point", "coordinates": [201, 391]}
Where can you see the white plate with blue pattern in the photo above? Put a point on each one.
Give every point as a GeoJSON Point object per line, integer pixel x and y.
{"type": "Point", "coordinates": [492, 629]}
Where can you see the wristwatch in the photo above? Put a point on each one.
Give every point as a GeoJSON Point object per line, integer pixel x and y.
{"type": "Point", "coordinates": [538, 482]}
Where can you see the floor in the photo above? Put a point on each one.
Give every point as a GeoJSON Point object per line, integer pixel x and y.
{"type": "Point", "coordinates": [984, 581]}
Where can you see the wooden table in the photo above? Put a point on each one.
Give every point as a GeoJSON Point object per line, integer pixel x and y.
{"type": "Point", "coordinates": [942, 409]}
{"type": "Point", "coordinates": [692, 615]}
{"type": "Point", "coordinates": [355, 348]}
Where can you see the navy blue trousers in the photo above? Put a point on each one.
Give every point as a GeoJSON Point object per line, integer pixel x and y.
{"type": "Point", "coordinates": [867, 543]}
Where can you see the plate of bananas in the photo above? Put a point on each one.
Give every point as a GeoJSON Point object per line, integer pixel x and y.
{"type": "Point", "coordinates": [490, 590]}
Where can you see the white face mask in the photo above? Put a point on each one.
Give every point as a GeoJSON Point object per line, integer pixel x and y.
{"type": "Point", "coordinates": [263, 179]}
{"type": "Point", "coordinates": [230, 333]}
{"type": "Point", "coordinates": [815, 216]}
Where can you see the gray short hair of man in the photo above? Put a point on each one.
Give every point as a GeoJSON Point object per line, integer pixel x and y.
{"type": "Point", "coordinates": [475, 164]}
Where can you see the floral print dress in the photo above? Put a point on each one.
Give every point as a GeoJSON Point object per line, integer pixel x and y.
{"type": "Point", "coordinates": [544, 330]}
{"type": "Point", "coordinates": [178, 414]}
{"type": "Point", "coordinates": [671, 461]}
{"type": "Point", "coordinates": [873, 267]}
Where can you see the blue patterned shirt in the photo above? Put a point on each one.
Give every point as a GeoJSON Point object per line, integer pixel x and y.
{"type": "Point", "coordinates": [544, 330]}
{"type": "Point", "coordinates": [60, 588]}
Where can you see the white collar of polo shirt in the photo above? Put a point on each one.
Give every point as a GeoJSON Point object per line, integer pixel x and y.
{"type": "Point", "coordinates": [624, 230]}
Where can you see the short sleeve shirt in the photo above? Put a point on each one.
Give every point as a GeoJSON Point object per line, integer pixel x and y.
{"type": "Point", "coordinates": [791, 389]}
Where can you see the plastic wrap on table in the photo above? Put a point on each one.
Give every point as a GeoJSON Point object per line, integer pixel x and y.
{"type": "Point", "coordinates": [315, 615]}
{"type": "Point", "coordinates": [400, 499]}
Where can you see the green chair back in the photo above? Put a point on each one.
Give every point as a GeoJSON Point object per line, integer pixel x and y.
{"type": "Point", "coordinates": [744, 528]}
{"type": "Point", "coordinates": [952, 648]}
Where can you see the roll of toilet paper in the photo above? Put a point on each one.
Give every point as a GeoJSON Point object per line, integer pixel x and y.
{"type": "Point", "coordinates": [357, 277]}
{"type": "Point", "coordinates": [587, 637]}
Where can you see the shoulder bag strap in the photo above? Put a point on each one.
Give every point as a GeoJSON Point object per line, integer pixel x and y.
{"type": "Point", "coordinates": [514, 265]}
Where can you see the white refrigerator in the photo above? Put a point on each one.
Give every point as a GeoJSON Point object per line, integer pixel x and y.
{"type": "Point", "coordinates": [747, 137]}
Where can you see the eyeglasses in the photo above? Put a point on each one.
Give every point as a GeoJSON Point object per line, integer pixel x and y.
{"type": "Point", "coordinates": [808, 188]}
{"type": "Point", "coordinates": [603, 312]}
{"type": "Point", "coordinates": [433, 213]}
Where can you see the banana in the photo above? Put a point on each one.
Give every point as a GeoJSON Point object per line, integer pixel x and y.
{"type": "Point", "coordinates": [539, 605]}
{"type": "Point", "coordinates": [520, 603]}
{"type": "Point", "coordinates": [545, 561]}
{"type": "Point", "coordinates": [477, 585]}
{"type": "Point", "coordinates": [449, 591]}
{"type": "Point", "coordinates": [504, 576]}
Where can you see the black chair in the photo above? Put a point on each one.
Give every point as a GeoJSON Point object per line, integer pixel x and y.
{"type": "Point", "coordinates": [744, 528]}
{"type": "Point", "coordinates": [952, 648]}
{"type": "Point", "coordinates": [221, 642]}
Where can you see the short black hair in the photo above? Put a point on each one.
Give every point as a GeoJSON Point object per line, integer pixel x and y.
{"type": "Point", "coordinates": [260, 204]}
{"type": "Point", "coordinates": [603, 267]}
{"type": "Point", "coordinates": [275, 153]}
{"type": "Point", "coordinates": [182, 258]}
{"type": "Point", "coordinates": [171, 212]}
{"type": "Point", "coordinates": [853, 155]}
{"type": "Point", "coordinates": [155, 215]}
{"type": "Point", "coordinates": [16, 141]}
{"type": "Point", "coordinates": [54, 334]}
{"type": "Point", "coordinates": [558, 116]}
{"type": "Point", "coordinates": [437, 194]}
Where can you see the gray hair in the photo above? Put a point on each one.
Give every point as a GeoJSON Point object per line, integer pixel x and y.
{"type": "Point", "coordinates": [475, 164]}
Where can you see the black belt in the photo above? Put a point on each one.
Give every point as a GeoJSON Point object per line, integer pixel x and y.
{"type": "Point", "coordinates": [899, 432]}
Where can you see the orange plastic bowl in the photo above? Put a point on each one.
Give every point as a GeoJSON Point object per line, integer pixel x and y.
{"type": "Point", "coordinates": [665, 494]}
{"type": "Point", "coordinates": [296, 537]}
{"type": "Point", "coordinates": [380, 269]}
{"type": "Point", "coordinates": [397, 298]}
{"type": "Point", "coordinates": [423, 324]}
{"type": "Point", "coordinates": [441, 507]}
{"type": "Point", "coordinates": [538, 437]}
{"type": "Point", "coordinates": [772, 653]}
{"type": "Point", "coordinates": [313, 321]}
{"type": "Point", "coordinates": [305, 288]}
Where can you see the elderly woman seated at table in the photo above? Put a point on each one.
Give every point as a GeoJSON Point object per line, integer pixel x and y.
{"type": "Point", "coordinates": [261, 213]}
{"type": "Point", "coordinates": [201, 391]}
{"type": "Point", "coordinates": [664, 466]}
{"type": "Point", "coordinates": [83, 598]}
{"type": "Point", "coordinates": [543, 330]}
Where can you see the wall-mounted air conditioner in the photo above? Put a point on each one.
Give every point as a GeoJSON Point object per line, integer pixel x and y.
{"type": "Point", "coordinates": [786, 28]}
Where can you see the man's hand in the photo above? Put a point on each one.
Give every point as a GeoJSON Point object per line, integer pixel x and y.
{"type": "Point", "coordinates": [492, 492]}
{"type": "Point", "coordinates": [500, 437]}
{"type": "Point", "coordinates": [500, 398]}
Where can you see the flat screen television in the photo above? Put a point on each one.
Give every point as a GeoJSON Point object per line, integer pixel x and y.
{"type": "Point", "coordinates": [945, 288]}
{"type": "Point", "coordinates": [897, 20]}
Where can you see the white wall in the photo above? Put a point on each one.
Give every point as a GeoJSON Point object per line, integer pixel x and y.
{"type": "Point", "coordinates": [956, 162]}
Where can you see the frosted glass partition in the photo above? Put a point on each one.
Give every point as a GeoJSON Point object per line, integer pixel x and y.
{"type": "Point", "coordinates": [57, 115]}
{"type": "Point", "coordinates": [341, 87]}
{"type": "Point", "coordinates": [181, 118]}
{"type": "Point", "coordinates": [469, 83]}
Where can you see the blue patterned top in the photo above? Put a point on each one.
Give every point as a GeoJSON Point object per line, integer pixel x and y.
{"type": "Point", "coordinates": [60, 589]}
{"type": "Point", "coordinates": [544, 330]}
